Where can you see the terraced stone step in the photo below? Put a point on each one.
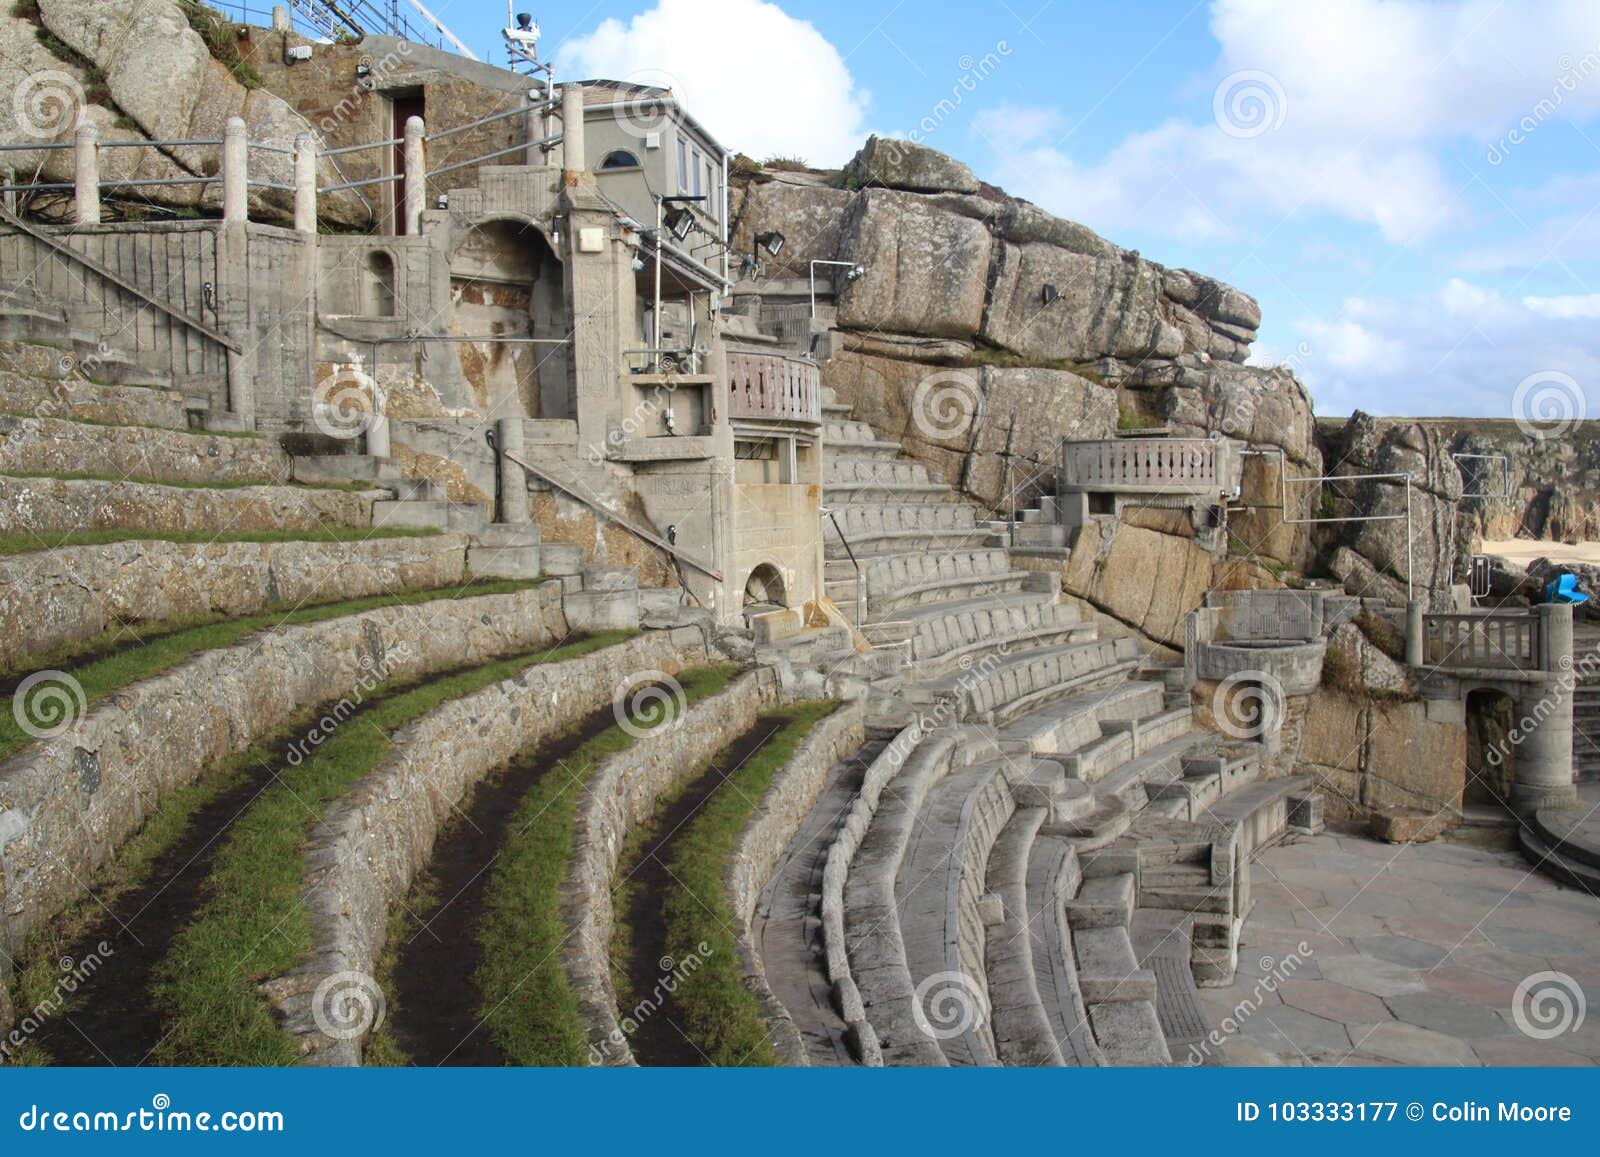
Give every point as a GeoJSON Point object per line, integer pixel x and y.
{"type": "Point", "coordinates": [1054, 875]}
{"type": "Point", "coordinates": [1036, 678]}
{"type": "Point", "coordinates": [880, 493]}
{"type": "Point", "coordinates": [898, 582]}
{"type": "Point", "coordinates": [1079, 721]}
{"type": "Point", "coordinates": [56, 446]}
{"type": "Point", "coordinates": [842, 470]}
{"type": "Point", "coordinates": [972, 634]}
{"type": "Point", "coordinates": [1103, 902]}
{"type": "Point", "coordinates": [1108, 970]}
{"type": "Point", "coordinates": [1129, 1033]}
{"type": "Point", "coordinates": [1022, 1032]}
{"type": "Point", "coordinates": [61, 506]}
{"type": "Point", "coordinates": [75, 399]}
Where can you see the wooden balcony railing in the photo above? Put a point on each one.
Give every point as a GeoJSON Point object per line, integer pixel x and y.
{"type": "Point", "coordinates": [772, 388]}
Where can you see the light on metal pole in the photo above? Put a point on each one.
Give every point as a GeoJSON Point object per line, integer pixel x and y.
{"type": "Point", "coordinates": [856, 272]}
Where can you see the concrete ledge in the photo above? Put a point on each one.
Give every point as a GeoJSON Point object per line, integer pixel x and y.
{"type": "Point", "coordinates": [620, 795]}
{"type": "Point", "coordinates": [767, 836]}
{"type": "Point", "coordinates": [68, 803]}
{"type": "Point", "coordinates": [54, 597]}
{"type": "Point", "coordinates": [370, 846]}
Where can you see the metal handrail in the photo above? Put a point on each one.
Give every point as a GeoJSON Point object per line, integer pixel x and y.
{"type": "Point", "coordinates": [490, 119]}
{"type": "Point", "coordinates": [614, 518]}
{"type": "Point", "coordinates": [342, 149]}
{"type": "Point", "coordinates": [861, 575]}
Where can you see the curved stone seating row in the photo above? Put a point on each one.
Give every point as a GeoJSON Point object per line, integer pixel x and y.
{"type": "Point", "coordinates": [848, 430]}
{"type": "Point", "coordinates": [896, 582]}
{"type": "Point", "coordinates": [49, 598]}
{"type": "Point", "coordinates": [1019, 684]}
{"type": "Point", "coordinates": [961, 636]}
{"type": "Point", "coordinates": [59, 446]}
{"type": "Point", "coordinates": [873, 529]}
{"type": "Point", "coordinates": [64, 505]}
{"type": "Point", "coordinates": [1023, 1035]}
{"type": "Point", "coordinates": [839, 469]}
{"type": "Point", "coordinates": [939, 890]}
{"type": "Point", "coordinates": [880, 493]}
{"type": "Point", "coordinates": [71, 398]}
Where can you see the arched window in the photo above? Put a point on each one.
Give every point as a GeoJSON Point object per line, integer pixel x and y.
{"type": "Point", "coordinates": [619, 159]}
{"type": "Point", "coordinates": [377, 292]}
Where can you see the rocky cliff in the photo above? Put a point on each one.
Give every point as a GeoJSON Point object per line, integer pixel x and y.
{"type": "Point", "coordinates": [143, 70]}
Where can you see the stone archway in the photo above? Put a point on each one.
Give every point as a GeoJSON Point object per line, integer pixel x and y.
{"type": "Point", "coordinates": [1491, 751]}
{"type": "Point", "coordinates": [765, 590]}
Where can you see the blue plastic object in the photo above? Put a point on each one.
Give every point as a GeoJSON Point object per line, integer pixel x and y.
{"type": "Point", "coordinates": [1565, 590]}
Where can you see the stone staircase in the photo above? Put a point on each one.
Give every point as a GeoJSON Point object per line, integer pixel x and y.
{"type": "Point", "coordinates": [1043, 793]}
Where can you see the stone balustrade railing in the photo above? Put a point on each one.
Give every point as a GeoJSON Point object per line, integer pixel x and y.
{"type": "Point", "coordinates": [1197, 466]}
{"type": "Point", "coordinates": [772, 388]}
{"type": "Point", "coordinates": [1488, 642]}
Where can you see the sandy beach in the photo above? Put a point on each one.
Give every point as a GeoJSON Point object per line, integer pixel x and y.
{"type": "Point", "coordinates": [1524, 551]}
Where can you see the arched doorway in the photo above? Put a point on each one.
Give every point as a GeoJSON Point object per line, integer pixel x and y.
{"type": "Point", "coordinates": [765, 591]}
{"type": "Point", "coordinates": [1491, 748]}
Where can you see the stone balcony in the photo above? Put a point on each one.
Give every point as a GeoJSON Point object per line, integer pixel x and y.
{"type": "Point", "coordinates": [767, 390]}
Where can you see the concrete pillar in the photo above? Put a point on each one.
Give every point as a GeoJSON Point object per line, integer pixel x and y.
{"type": "Point", "coordinates": [280, 19]}
{"type": "Point", "coordinates": [1544, 721]}
{"type": "Point", "coordinates": [235, 172]}
{"type": "Point", "coordinates": [572, 146]}
{"type": "Point", "coordinates": [515, 506]}
{"type": "Point", "coordinates": [86, 174]}
{"type": "Point", "coordinates": [305, 184]}
{"type": "Point", "coordinates": [416, 176]}
{"type": "Point", "coordinates": [1415, 650]}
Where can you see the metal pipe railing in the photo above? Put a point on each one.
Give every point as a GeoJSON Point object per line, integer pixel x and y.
{"type": "Point", "coordinates": [861, 575]}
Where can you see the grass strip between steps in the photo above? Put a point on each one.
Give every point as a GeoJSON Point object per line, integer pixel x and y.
{"type": "Point", "coordinates": [151, 655]}
{"type": "Point", "coordinates": [528, 1005]}
{"type": "Point", "coordinates": [30, 543]}
{"type": "Point", "coordinates": [252, 927]}
{"type": "Point", "coordinates": [711, 1004]}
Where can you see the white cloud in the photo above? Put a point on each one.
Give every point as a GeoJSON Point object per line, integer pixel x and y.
{"type": "Point", "coordinates": [1363, 94]}
{"type": "Point", "coordinates": [1460, 350]}
{"type": "Point", "coordinates": [764, 82]}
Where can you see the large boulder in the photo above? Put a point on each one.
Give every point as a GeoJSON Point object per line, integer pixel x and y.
{"type": "Point", "coordinates": [897, 164]}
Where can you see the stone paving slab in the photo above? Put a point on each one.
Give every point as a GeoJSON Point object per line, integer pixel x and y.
{"type": "Point", "coordinates": [1411, 956]}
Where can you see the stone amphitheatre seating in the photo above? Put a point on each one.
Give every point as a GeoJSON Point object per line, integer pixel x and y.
{"type": "Point", "coordinates": [1045, 791]}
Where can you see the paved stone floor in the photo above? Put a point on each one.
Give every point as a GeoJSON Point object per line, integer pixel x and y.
{"type": "Point", "coordinates": [1411, 956]}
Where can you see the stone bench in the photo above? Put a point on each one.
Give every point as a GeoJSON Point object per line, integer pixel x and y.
{"type": "Point", "coordinates": [62, 506]}
{"type": "Point", "coordinates": [1022, 1031]}
{"type": "Point", "coordinates": [1054, 876]}
{"type": "Point", "coordinates": [873, 471]}
{"type": "Point", "coordinates": [939, 641]}
{"type": "Point", "coordinates": [57, 446]}
{"type": "Point", "coordinates": [1063, 728]}
{"type": "Point", "coordinates": [895, 582]}
{"type": "Point", "coordinates": [1033, 679]}
{"type": "Point", "coordinates": [74, 398]}
{"type": "Point", "coordinates": [840, 494]}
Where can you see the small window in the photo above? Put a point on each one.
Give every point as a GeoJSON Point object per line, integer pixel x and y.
{"type": "Point", "coordinates": [697, 190]}
{"type": "Point", "coordinates": [683, 165]}
{"type": "Point", "coordinates": [620, 159]}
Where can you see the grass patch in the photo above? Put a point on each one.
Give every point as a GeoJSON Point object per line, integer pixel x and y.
{"type": "Point", "coordinates": [252, 927]}
{"type": "Point", "coordinates": [719, 1014]}
{"type": "Point", "coordinates": [529, 1007]}
{"type": "Point", "coordinates": [159, 652]}
{"type": "Point", "coordinates": [11, 544]}
{"type": "Point", "coordinates": [222, 40]}
{"type": "Point", "coordinates": [1383, 634]}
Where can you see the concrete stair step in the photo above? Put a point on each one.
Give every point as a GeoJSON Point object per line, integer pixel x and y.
{"type": "Point", "coordinates": [1129, 1033]}
{"type": "Point", "coordinates": [335, 469]}
{"type": "Point", "coordinates": [1108, 970]}
{"type": "Point", "coordinates": [1103, 902]}
{"type": "Point", "coordinates": [430, 515]}
{"type": "Point", "coordinates": [505, 562]}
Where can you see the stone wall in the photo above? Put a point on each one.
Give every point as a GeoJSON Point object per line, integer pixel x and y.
{"type": "Point", "coordinates": [54, 597]}
{"type": "Point", "coordinates": [620, 795]}
{"type": "Point", "coordinates": [64, 506]}
{"type": "Point", "coordinates": [68, 803]}
{"type": "Point", "coordinates": [1368, 754]}
{"type": "Point", "coordinates": [370, 845]}
{"type": "Point", "coordinates": [766, 838]}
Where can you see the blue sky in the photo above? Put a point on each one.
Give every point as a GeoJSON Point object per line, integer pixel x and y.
{"type": "Point", "coordinates": [1351, 163]}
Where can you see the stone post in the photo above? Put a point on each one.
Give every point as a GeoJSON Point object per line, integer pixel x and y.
{"type": "Point", "coordinates": [572, 146]}
{"type": "Point", "coordinates": [416, 176]}
{"type": "Point", "coordinates": [1544, 721]}
{"type": "Point", "coordinates": [86, 174]}
{"type": "Point", "coordinates": [280, 19]}
{"type": "Point", "coordinates": [1415, 651]}
{"type": "Point", "coordinates": [8, 177]}
{"type": "Point", "coordinates": [235, 172]}
{"type": "Point", "coordinates": [305, 184]}
{"type": "Point", "coordinates": [515, 507]}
